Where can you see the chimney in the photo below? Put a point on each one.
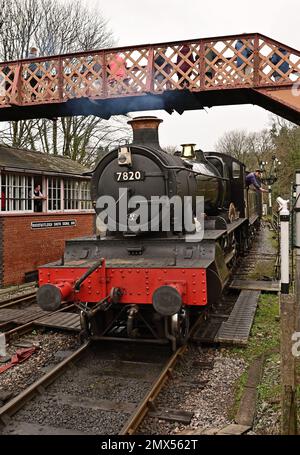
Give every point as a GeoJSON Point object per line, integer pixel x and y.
{"type": "Point", "coordinates": [145, 131]}
{"type": "Point", "coordinates": [190, 153]}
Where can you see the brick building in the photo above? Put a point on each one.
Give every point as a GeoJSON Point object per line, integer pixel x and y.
{"type": "Point", "coordinates": [32, 230]}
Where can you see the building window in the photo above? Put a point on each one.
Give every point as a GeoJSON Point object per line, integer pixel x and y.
{"type": "Point", "coordinates": [16, 193]}
{"type": "Point", "coordinates": [71, 195]}
{"type": "Point", "coordinates": [54, 194]}
{"type": "Point", "coordinates": [85, 199]}
{"type": "Point", "coordinates": [77, 195]}
{"type": "Point", "coordinates": [38, 195]}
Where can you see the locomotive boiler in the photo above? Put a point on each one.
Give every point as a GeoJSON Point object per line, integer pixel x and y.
{"type": "Point", "coordinates": [140, 280]}
{"type": "Point", "coordinates": [144, 169]}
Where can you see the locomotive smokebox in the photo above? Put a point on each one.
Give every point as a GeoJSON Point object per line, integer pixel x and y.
{"type": "Point", "coordinates": [145, 131]}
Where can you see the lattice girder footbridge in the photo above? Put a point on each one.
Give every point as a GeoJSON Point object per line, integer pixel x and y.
{"type": "Point", "coordinates": [185, 75]}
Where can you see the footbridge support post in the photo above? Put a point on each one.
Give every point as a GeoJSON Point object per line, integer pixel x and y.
{"type": "Point", "coordinates": [284, 216]}
{"type": "Point", "coordinates": [297, 246]}
{"type": "Point", "coordinates": [287, 328]}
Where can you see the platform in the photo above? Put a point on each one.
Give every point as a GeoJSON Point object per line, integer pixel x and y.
{"type": "Point", "coordinates": [254, 285]}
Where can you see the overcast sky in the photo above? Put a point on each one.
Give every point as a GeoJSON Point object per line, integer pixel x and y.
{"type": "Point", "coordinates": [144, 22]}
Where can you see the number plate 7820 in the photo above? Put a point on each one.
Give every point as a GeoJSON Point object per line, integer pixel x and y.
{"type": "Point", "coordinates": [129, 176]}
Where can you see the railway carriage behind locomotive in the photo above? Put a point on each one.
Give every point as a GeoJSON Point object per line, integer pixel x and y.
{"type": "Point", "coordinates": [149, 285]}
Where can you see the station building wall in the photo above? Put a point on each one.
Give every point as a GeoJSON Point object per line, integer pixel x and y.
{"type": "Point", "coordinates": [24, 248]}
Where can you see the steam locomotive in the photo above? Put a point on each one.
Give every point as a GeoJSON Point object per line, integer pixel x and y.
{"type": "Point", "coordinates": [140, 280]}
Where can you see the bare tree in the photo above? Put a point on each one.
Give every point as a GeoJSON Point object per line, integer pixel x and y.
{"type": "Point", "coordinates": [250, 148]}
{"type": "Point", "coordinates": [261, 146]}
{"type": "Point", "coordinates": [282, 141]}
{"type": "Point", "coordinates": [234, 143]}
{"type": "Point", "coordinates": [2, 6]}
{"type": "Point", "coordinates": [171, 149]}
{"type": "Point", "coordinates": [55, 27]}
{"type": "Point", "coordinates": [286, 140]}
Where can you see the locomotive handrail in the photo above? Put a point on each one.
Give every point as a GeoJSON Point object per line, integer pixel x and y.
{"type": "Point", "coordinates": [183, 168]}
{"type": "Point", "coordinates": [87, 274]}
{"type": "Point", "coordinates": [179, 168]}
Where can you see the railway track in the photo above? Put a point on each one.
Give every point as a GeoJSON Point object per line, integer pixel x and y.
{"type": "Point", "coordinates": [30, 321]}
{"type": "Point", "coordinates": [258, 264]}
{"type": "Point", "coordinates": [209, 339]}
{"type": "Point", "coordinates": [99, 389]}
{"type": "Point", "coordinates": [18, 299]}
{"type": "Point", "coordinates": [19, 314]}
{"type": "Point", "coordinates": [111, 389]}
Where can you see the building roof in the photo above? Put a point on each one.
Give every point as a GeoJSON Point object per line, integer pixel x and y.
{"type": "Point", "coordinates": [38, 163]}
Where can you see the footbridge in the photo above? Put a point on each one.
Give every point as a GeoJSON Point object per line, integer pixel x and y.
{"type": "Point", "coordinates": [175, 76]}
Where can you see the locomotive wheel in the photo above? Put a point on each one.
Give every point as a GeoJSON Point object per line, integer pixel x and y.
{"type": "Point", "coordinates": [85, 329]}
{"type": "Point", "coordinates": [180, 325]}
{"type": "Point", "coordinates": [246, 241]}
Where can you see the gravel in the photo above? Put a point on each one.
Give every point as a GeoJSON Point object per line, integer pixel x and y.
{"type": "Point", "coordinates": [102, 381]}
{"type": "Point", "coordinates": [209, 395]}
{"type": "Point", "coordinates": [53, 413]}
{"type": "Point", "coordinates": [116, 378]}
{"type": "Point", "coordinates": [22, 375]}
{"type": "Point", "coordinates": [15, 292]}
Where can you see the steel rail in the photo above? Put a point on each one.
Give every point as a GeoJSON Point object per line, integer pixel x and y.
{"type": "Point", "coordinates": [25, 328]}
{"type": "Point", "coordinates": [17, 288]}
{"type": "Point", "coordinates": [17, 299]}
{"type": "Point", "coordinates": [38, 386]}
{"type": "Point", "coordinates": [148, 401]}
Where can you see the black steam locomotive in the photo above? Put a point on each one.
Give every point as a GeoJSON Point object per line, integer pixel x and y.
{"type": "Point", "coordinates": [148, 273]}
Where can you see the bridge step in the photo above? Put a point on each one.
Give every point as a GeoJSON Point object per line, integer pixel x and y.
{"type": "Point", "coordinates": [65, 321]}
{"type": "Point", "coordinates": [236, 329]}
{"type": "Point", "coordinates": [20, 316]}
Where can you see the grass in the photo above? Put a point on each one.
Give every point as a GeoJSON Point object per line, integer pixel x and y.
{"type": "Point", "coordinates": [270, 388]}
{"type": "Point", "coordinates": [265, 339]}
{"type": "Point", "coordinates": [263, 268]}
{"type": "Point", "coordinates": [265, 334]}
{"type": "Point", "coordinates": [239, 389]}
